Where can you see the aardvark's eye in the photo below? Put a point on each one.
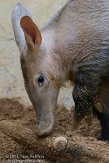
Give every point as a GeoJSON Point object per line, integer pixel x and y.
{"type": "Point", "coordinates": [41, 80]}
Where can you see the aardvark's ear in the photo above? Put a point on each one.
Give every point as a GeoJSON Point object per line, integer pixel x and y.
{"type": "Point", "coordinates": [32, 34]}
{"type": "Point", "coordinates": [25, 31]}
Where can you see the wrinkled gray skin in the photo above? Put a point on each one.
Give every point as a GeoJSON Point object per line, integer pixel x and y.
{"type": "Point", "coordinates": [75, 47]}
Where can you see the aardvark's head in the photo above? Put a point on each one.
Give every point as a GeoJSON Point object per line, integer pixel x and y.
{"type": "Point", "coordinates": [36, 67]}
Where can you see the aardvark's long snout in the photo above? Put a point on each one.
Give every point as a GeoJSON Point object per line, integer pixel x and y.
{"type": "Point", "coordinates": [45, 122]}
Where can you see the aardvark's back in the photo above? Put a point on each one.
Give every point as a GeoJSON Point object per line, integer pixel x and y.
{"type": "Point", "coordinates": [82, 28]}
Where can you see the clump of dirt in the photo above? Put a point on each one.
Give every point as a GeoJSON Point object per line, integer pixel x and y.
{"type": "Point", "coordinates": [13, 110]}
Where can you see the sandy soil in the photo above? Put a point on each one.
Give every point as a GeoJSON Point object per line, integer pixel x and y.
{"type": "Point", "coordinates": [13, 110]}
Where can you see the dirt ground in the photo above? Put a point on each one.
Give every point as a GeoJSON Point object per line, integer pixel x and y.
{"type": "Point", "coordinates": [13, 110]}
